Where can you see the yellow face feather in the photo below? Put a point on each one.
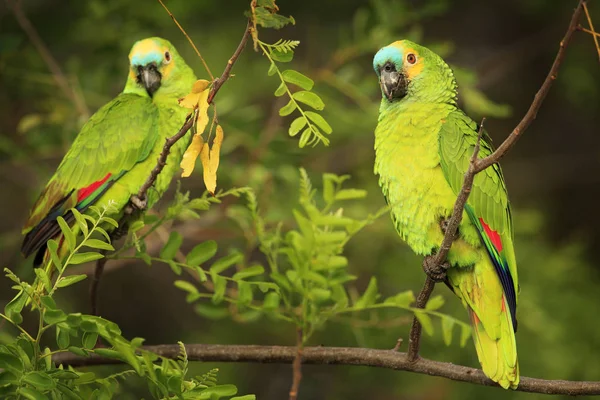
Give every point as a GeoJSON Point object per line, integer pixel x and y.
{"type": "Point", "coordinates": [410, 70]}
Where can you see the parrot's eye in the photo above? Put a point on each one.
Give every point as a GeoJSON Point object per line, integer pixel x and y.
{"type": "Point", "coordinates": [411, 58]}
{"type": "Point", "coordinates": [167, 57]}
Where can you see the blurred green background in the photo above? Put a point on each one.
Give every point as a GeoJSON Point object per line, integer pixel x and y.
{"type": "Point", "coordinates": [501, 51]}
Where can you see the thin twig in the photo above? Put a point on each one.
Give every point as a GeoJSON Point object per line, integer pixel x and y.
{"type": "Point", "coordinates": [227, 72]}
{"type": "Point", "coordinates": [594, 34]}
{"type": "Point", "coordinates": [581, 28]}
{"type": "Point", "coordinates": [297, 366]}
{"type": "Point", "coordinates": [388, 359]}
{"type": "Point", "coordinates": [189, 39]}
{"type": "Point", "coordinates": [53, 66]}
{"type": "Point", "coordinates": [477, 165]}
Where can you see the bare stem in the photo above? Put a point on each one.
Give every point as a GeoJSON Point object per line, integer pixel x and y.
{"type": "Point", "coordinates": [297, 366]}
{"type": "Point", "coordinates": [388, 359]}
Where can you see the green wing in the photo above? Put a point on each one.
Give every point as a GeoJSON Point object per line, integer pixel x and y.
{"type": "Point", "coordinates": [488, 207]}
{"type": "Point", "coordinates": [119, 135]}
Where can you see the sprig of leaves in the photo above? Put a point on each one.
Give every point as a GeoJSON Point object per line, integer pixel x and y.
{"type": "Point", "coordinates": [312, 124]}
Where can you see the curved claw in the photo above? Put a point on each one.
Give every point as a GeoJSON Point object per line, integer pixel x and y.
{"type": "Point", "coordinates": [138, 203]}
{"type": "Point", "coordinates": [435, 271]}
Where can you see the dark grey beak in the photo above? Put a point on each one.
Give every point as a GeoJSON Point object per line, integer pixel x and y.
{"type": "Point", "coordinates": [393, 83]}
{"type": "Point", "coordinates": [149, 76]}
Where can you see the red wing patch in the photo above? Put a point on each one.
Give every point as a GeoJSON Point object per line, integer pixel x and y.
{"type": "Point", "coordinates": [492, 235]}
{"type": "Point", "coordinates": [83, 193]}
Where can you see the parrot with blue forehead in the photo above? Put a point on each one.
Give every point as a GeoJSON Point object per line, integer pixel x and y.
{"type": "Point", "coordinates": [116, 149]}
{"type": "Point", "coordinates": [423, 146]}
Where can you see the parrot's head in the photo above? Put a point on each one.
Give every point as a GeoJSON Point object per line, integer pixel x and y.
{"type": "Point", "coordinates": [407, 70]}
{"type": "Point", "coordinates": [152, 62]}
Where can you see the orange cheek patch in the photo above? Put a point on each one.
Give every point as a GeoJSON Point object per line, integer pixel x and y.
{"type": "Point", "coordinates": [412, 70]}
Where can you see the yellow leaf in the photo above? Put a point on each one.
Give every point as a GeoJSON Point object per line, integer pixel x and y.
{"type": "Point", "coordinates": [200, 86]}
{"type": "Point", "coordinates": [192, 100]}
{"type": "Point", "coordinates": [189, 157]}
{"type": "Point", "coordinates": [202, 118]}
{"type": "Point", "coordinates": [210, 161]}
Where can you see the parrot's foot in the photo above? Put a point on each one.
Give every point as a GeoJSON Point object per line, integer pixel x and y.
{"type": "Point", "coordinates": [444, 225]}
{"type": "Point", "coordinates": [138, 203]}
{"type": "Point", "coordinates": [434, 270]}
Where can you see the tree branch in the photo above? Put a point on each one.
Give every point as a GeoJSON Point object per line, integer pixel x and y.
{"type": "Point", "coordinates": [388, 359]}
{"type": "Point", "coordinates": [477, 165]}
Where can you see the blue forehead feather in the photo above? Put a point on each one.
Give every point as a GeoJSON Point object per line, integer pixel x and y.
{"type": "Point", "coordinates": [147, 58]}
{"type": "Point", "coordinates": [388, 53]}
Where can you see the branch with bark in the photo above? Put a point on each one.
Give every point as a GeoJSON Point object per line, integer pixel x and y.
{"type": "Point", "coordinates": [479, 164]}
{"type": "Point", "coordinates": [388, 359]}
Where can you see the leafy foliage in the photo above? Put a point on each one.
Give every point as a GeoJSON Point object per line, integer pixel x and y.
{"type": "Point", "coordinates": [27, 370]}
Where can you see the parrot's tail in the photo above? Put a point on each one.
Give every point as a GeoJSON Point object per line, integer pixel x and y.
{"type": "Point", "coordinates": [498, 357]}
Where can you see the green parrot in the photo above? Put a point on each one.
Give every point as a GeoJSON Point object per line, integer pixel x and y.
{"type": "Point", "coordinates": [118, 146]}
{"type": "Point", "coordinates": [423, 146]}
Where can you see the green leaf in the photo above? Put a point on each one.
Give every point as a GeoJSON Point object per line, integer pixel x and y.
{"type": "Point", "coordinates": [425, 321]}
{"type": "Point", "coordinates": [81, 221]}
{"type": "Point", "coordinates": [67, 232]}
{"type": "Point", "coordinates": [89, 340]}
{"type": "Point", "coordinates": [218, 391]}
{"type": "Point", "coordinates": [220, 284]}
{"type": "Point", "coordinates": [176, 268]}
{"type": "Point", "coordinates": [350, 194]}
{"type": "Point", "coordinates": [10, 362]}
{"type": "Point", "coordinates": [369, 297]}
{"type": "Point", "coordinates": [52, 317]}
{"type": "Point", "coordinates": [271, 301]}
{"type": "Point", "coordinates": [69, 280]}
{"type": "Point", "coordinates": [62, 338]}
{"type": "Point", "coordinates": [31, 394]}
{"type": "Point", "coordinates": [298, 79]}
{"type": "Point", "coordinates": [53, 249]}
{"type": "Point", "coordinates": [266, 19]}
{"type": "Point", "coordinates": [465, 334]}
{"type": "Point", "coordinates": [281, 56]}
{"type": "Point", "coordinates": [81, 258]}
{"type": "Point", "coordinates": [15, 306]}
{"type": "Point", "coordinates": [99, 244]}
{"type": "Point", "coordinates": [434, 303]}
{"type": "Point", "coordinates": [223, 263]}
{"type": "Point", "coordinates": [245, 294]}
{"type": "Point", "coordinates": [249, 272]}
{"type": "Point", "coordinates": [246, 397]}
{"type": "Point", "coordinates": [202, 253]}
{"type": "Point", "coordinates": [304, 137]}
{"type": "Point", "coordinates": [173, 244]}
{"type": "Point", "coordinates": [272, 68]}
{"type": "Point", "coordinates": [110, 221]}
{"type": "Point", "coordinates": [447, 326]}
{"type": "Point", "coordinates": [310, 99]}
{"type": "Point", "coordinates": [39, 380]}
{"type": "Point", "coordinates": [319, 295]}
{"type": "Point", "coordinates": [78, 351]}
{"type": "Point", "coordinates": [48, 302]}
{"type": "Point", "coordinates": [281, 90]}
{"type": "Point", "coordinates": [43, 277]}
{"type": "Point", "coordinates": [108, 353]}
{"type": "Point", "coordinates": [297, 125]}
{"type": "Point", "coordinates": [403, 299]}
{"type": "Point", "coordinates": [187, 286]}
{"type": "Point", "coordinates": [319, 121]}
{"type": "Point", "coordinates": [211, 312]}
{"type": "Point", "coordinates": [287, 109]}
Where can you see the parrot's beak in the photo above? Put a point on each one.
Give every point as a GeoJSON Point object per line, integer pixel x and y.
{"type": "Point", "coordinates": [149, 76]}
{"type": "Point", "coordinates": [393, 84]}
